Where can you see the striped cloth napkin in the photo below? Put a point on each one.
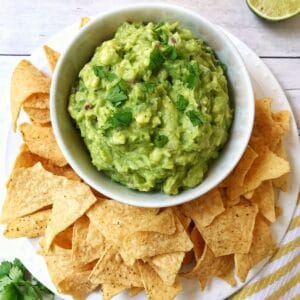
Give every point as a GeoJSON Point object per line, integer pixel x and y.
{"type": "Point", "coordinates": [280, 278]}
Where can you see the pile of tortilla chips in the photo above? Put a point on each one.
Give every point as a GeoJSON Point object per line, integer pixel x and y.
{"type": "Point", "coordinates": [91, 243]}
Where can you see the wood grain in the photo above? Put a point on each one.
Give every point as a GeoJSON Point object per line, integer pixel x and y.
{"type": "Point", "coordinates": [24, 25]}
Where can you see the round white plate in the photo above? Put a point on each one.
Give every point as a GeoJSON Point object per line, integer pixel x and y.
{"type": "Point", "coordinates": [264, 85]}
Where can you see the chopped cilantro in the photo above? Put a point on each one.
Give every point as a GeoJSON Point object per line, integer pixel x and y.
{"type": "Point", "coordinates": [160, 34]}
{"type": "Point", "coordinates": [170, 53]}
{"type": "Point", "coordinates": [15, 283]}
{"type": "Point", "coordinates": [196, 117]}
{"type": "Point", "coordinates": [118, 94]}
{"type": "Point", "coordinates": [160, 141]}
{"type": "Point", "coordinates": [181, 103]}
{"type": "Point", "coordinates": [120, 119]}
{"type": "Point", "coordinates": [104, 73]}
{"type": "Point", "coordinates": [192, 77]}
{"type": "Point", "coordinates": [156, 59]}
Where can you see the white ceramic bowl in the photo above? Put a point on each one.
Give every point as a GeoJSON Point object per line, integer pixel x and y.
{"type": "Point", "coordinates": [80, 51]}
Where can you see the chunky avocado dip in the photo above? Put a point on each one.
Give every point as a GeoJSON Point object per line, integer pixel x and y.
{"type": "Point", "coordinates": [152, 106]}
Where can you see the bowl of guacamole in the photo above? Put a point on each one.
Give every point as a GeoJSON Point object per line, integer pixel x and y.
{"type": "Point", "coordinates": [147, 112]}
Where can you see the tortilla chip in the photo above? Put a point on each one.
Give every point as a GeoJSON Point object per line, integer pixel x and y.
{"type": "Point", "coordinates": [26, 81]}
{"type": "Point", "coordinates": [77, 285]}
{"type": "Point", "coordinates": [38, 115]}
{"type": "Point", "coordinates": [264, 124]}
{"type": "Point", "coordinates": [264, 198]}
{"type": "Point", "coordinates": [64, 238]}
{"type": "Point", "coordinates": [29, 190]}
{"type": "Point", "coordinates": [237, 176]}
{"type": "Point", "coordinates": [37, 101]}
{"type": "Point", "coordinates": [128, 219]}
{"type": "Point", "coordinates": [84, 21]}
{"type": "Point", "coordinates": [26, 159]}
{"type": "Point", "coordinates": [134, 291]}
{"type": "Point", "coordinates": [52, 56]}
{"type": "Point", "coordinates": [29, 226]}
{"type": "Point", "coordinates": [198, 243]}
{"type": "Point", "coordinates": [282, 118]}
{"type": "Point", "coordinates": [184, 220]}
{"type": "Point", "coordinates": [209, 266]}
{"type": "Point", "coordinates": [143, 244]}
{"type": "Point", "coordinates": [231, 232]}
{"type": "Point", "coordinates": [41, 141]}
{"type": "Point", "coordinates": [261, 247]}
{"type": "Point", "coordinates": [88, 242]}
{"type": "Point", "coordinates": [281, 182]}
{"type": "Point", "coordinates": [110, 290]}
{"type": "Point", "coordinates": [155, 288]}
{"type": "Point", "coordinates": [111, 269]}
{"type": "Point", "coordinates": [167, 266]}
{"type": "Point", "coordinates": [70, 201]}
{"type": "Point", "coordinates": [204, 209]}
{"type": "Point", "coordinates": [267, 166]}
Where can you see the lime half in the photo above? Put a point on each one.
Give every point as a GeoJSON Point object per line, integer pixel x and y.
{"type": "Point", "coordinates": [275, 10]}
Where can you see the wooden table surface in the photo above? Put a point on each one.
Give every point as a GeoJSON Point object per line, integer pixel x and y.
{"type": "Point", "coordinates": [24, 25]}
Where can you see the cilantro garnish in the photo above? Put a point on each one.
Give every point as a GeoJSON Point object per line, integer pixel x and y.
{"type": "Point", "coordinates": [104, 73]}
{"type": "Point", "coordinates": [120, 119]}
{"type": "Point", "coordinates": [160, 141]}
{"type": "Point", "coordinates": [181, 103]}
{"type": "Point", "coordinates": [15, 284]}
{"type": "Point", "coordinates": [170, 53]}
{"type": "Point", "coordinates": [196, 117]}
{"type": "Point", "coordinates": [160, 34]}
{"type": "Point", "coordinates": [156, 59]}
{"type": "Point", "coordinates": [193, 76]}
{"type": "Point", "coordinates": [118, 94]}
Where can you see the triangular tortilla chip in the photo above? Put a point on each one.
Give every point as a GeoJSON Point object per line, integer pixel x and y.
{"type": "Point", "coordinates": [281, 182]}
{"type": "Point", "coordinates": [128, 219]}
{"type": "Point", "coordinates": [111, 269]}
{"type": "Point", "coordinates": [88, 242]}
{"type": "Point", "coordinates": [41, 141]}
{"type": "Point", "coordinates": [52, 56]}
{"type": "Point", "coordinates": [261, 247]}
{"type": "Point", "coordinates": [29, 190]}
{"type": "Point", "coordinates": [143, 244]}
{"type": "Point", "coordinates": [37, 101]}
{"type": "Point", "coordinates": [38, 115]}
{"type": "Point", "coordinates": [167, 266]}
{"type": "Point", "coordinates": [70, 201]}
{"type": "Point", "coordinates": [185, 221]}
{"type": "Point", "coordinates": [231, 232]}
{"type": "Point", "coordinates": [155, 288]}
{"type": "Point", "coordinates": [264, 198]}
{"type": "Point", "coordinates": [211, 266]}
{"type": "Point", "coordinates": [29, 226]}
{"type": "Point", "coordinates": [204, 209]}
{"type": "Point", "coordinates": [237, 176]}
{"type": "Point", "coordinates": [282, 118]}
{"type": "Point", "coordinates": [26, 81]}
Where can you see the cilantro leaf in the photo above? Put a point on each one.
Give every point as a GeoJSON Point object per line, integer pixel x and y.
{"type": "Point", "coordinates": [160, 141]}
{"type": "Point", "coordinates": [170, 53]}
{"type": "Point", "coordinates": [5, 268]}
{"type": "Point", "coordinates": [120, 119]}
{"type": "Point", "coordinates": [104, 73]}
{"type": "Point", "coordinates": [117, 95]}
{"type": "Point", "coordinates": [195, 117]}
{"type": "Point", "coordinates": [160, 34]}
{"type": "Point", "coordinates": [9, 292]}
{"type": "Point", "coordinates": [16, 274]}
{"type": "Point", "coordinates": [4, 281]}
{"type": "Point", "coordinates": [156, 59]}
{"type": "Point", "coordinates": [181, 103]}
{"type": "Point", "coordinates": [147, 87]}
{"type": "Point", "coordinates": [192, 77]}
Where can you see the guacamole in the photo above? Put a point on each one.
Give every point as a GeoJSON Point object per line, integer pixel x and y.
{"type": "Point", "coordinates": [152, 106]}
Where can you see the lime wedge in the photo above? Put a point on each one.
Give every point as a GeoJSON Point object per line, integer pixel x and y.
{"type": "Point", "coordinates": [275, 10]}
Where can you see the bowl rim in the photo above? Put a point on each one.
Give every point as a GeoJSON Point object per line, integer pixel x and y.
{"type": "Point", "coordinates": [171, 200]}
